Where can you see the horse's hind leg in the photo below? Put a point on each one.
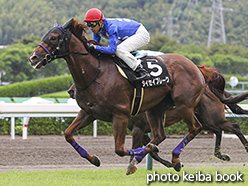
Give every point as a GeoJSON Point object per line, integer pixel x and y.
{"type": "Point", "coordinates": [155, 118]}
{"type": "Point", "coordinates": [81, 121]}
{"type": "Point", "coordinates": [194, 128]}
{"type": "Point", "coordinates": [120, 123]}
{"type": "Point", "coordinates": [234, 128]}
{"type": "Point", "coordinates": [155, 155]}
{"type": "Point", "coordinates": [240, 135]}
{"type": "Point", "coordinates": [140, 139]}
{"type": "Point", "coordinates": [217, 152]}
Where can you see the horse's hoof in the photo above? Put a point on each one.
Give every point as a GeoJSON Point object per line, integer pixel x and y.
{"type": "Point", "coordinates": [131, 170]}
{"type": "Point", "coordinates": [226, 158]}
{"type": "Point", "coordinates": [153, 147]}
{"type": "Point", "coordinates": [178, 166]}
{"type": "Point", "coordinates": [96, 161]}
{"type": "Point", "coordinates": [223, 157]}
{"type": "Point", "coordinates": [132, 167]}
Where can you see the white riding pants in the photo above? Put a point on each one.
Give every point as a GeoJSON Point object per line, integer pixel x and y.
{"type": "Point", "coordinates": [136, 41]}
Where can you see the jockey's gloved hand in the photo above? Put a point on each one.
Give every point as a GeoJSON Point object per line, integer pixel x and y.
{"type": "Point", "coordinates": [91, 46]}
{"type": "Point", "coordinates": [71, 93]}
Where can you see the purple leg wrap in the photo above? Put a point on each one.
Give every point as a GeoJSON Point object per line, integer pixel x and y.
{"type": "Point", "coordinates": [138, 153]}
{"type": "Point", "coordinates": [79, 149]}
{"type": "Point", "coordinates": [140, 158]}
{"type": "Point", "coordinates": [181, 145]}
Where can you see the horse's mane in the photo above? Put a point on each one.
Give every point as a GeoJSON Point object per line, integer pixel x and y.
{"type": "Point", "coordinates": [79, 30]}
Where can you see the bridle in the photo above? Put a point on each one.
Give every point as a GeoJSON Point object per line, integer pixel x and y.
{"type": "Point", "coordinates": [61, 50]}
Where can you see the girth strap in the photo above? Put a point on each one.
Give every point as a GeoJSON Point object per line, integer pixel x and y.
{"type": "Point", "coordinates": [137, 100]}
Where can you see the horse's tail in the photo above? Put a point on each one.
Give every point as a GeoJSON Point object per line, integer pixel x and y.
{"type": "Point", "coordinates": [220, 93]}
{"type": "Point", "coordinates": [216, 83]}
{"type": "Point", "coordinates": [232, 100]}
{"type": "Point", "coordinates": [234, 107]}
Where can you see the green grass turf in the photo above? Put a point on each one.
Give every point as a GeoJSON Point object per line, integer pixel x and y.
{"type": "Point", "coordinates": [115, 177]}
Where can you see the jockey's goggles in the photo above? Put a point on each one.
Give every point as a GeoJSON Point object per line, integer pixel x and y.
{"type": "Point", "coordinates": [92, 24]}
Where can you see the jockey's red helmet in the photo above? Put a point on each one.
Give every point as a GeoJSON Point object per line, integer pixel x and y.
{"type": "Point", "coordinates": [93, 14]}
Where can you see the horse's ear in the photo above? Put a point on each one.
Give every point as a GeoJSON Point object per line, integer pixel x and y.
{"type": "Point", "coordinates": [68, 24]}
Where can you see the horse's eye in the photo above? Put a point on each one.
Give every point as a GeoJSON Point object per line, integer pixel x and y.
{"type": "Point", "coordinates": [53, 38]}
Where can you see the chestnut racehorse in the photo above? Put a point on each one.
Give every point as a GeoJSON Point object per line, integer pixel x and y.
{"type": "Point", "coordinates": [210, 111]}
{"type": "Point", "coordinates": [102, 93]}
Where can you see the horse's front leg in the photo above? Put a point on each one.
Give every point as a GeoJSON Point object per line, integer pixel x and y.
{"type": "Point", "coordinates": [82, 120]}
{"type": "Point", "coordinates": [137, 138]}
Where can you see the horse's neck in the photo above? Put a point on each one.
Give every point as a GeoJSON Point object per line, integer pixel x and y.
{"type": "Point", "coordinates": [83, 68]}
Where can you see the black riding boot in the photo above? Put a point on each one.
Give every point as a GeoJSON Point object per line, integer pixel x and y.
{"type": "Point", "coordinates": [141, 73]}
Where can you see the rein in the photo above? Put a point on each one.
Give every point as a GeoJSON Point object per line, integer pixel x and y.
{"type": "Point", "coordinates": [51, 55]}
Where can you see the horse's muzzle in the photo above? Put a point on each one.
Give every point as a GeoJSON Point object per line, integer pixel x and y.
{"type": "Point", "coordinates": [36, 62]}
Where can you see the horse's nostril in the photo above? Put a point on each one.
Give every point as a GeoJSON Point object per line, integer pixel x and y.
{"type": "Point", "coordinates": [33, 58]}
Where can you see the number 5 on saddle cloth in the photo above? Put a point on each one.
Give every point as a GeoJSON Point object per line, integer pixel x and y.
{"type": "Point", "coordinates": [157, 70]}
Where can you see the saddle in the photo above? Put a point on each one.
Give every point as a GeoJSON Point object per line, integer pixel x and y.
{"type": "Point", "coordinates": [157, 70]}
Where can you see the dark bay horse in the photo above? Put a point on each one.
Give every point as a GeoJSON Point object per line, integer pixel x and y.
{"type": "Point", "coordinates": [210, 111]}
{"type": "Point", "coordinates": [102, 93]}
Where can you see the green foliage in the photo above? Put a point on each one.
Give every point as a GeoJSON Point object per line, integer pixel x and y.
{"type": "Point", "coordinates": [104, 128]}
{"type": "Point", "coordinates": [18, 130]}
{"type": "Point", "coordinates": [227, 59]}
{"type": "Point", "coordinates": [13, 60]}
{"type": "Point", "coordinates": [36, 87]}
{"type": "Point", "coordinates": [61, 94]}
{"type": "Point", "coordinates": [57, 126]}
{"type": "Point", "coordinates": [161, 42]}
{"type": "Point", "coordinates": [24, 34]}
{"type": "Point", "coordinates": [230, 64]}
{"type": "Point", "coordinates": [178, 128]}
{"type": "Point", "coordinates": [35, 18]}
{"type": "Point", "coordinates": [5, 126]}
{"type": "Point", "coordinates": [46, 126]}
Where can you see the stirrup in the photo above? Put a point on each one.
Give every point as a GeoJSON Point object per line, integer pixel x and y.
{"type": "Point", "coordinates": [145, 77]}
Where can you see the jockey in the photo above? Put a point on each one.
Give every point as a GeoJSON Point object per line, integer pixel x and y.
{"type": "Point", "coordinates": [124, 35]}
